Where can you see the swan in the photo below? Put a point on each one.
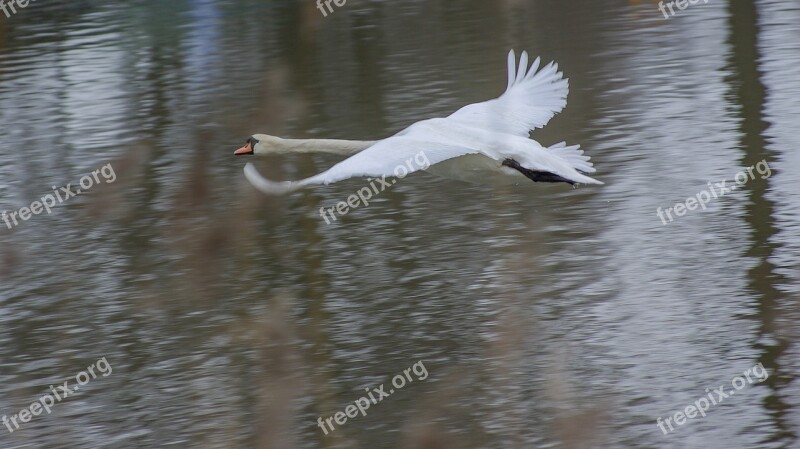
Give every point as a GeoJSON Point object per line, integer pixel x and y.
{"type": "Point", "coordinates": [489, 138]}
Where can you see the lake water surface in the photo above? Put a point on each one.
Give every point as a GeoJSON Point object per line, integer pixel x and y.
{"type": "Point", "coordinates": [544, 316]}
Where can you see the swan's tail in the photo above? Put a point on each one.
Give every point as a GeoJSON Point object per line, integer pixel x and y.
{"type": "Point", "coordinates": [574, 156]}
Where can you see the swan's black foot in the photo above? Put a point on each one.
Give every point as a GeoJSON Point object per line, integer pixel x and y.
{"type": "Point", "coordinates": [536, 176]}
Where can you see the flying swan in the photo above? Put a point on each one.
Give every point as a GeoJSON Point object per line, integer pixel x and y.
{"type": "Point", "coordinates": [482, 139]}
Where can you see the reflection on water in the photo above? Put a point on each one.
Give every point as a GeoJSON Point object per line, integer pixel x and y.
{"type": "Point", "coordinates": [545, 316]}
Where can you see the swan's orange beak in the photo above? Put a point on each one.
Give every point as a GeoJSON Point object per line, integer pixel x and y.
{"type": "Point", "coordinates": [247, 149]}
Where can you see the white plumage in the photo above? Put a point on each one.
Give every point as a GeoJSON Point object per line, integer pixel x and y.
{"type": "Point", "coordinates": [489, 136]}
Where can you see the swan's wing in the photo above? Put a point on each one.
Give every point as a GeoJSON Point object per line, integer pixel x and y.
{"type": "Point", "coordinates": [395, 156]}
{"type": "Point", "coordinates": [531, 99]}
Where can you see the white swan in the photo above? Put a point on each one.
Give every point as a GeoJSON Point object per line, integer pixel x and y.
{"type": "Point", "coordinates": [492, 137]}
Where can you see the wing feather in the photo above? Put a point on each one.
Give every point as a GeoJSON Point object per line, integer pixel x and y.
{"type": "Point", "coordinates": [531, 99]}
{"type": "Point", "coordinates": [396, 156]}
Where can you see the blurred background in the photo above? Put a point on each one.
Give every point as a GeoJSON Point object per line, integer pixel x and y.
{"type": "Point", "coordinates": [545, 316]}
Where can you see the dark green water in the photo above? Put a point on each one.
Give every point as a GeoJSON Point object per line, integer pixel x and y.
{"type": "Point", "coordinates": [544, 316]}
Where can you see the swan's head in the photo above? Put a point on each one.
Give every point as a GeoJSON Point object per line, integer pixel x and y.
{"type": "Point", "coordinates": [258, 144]}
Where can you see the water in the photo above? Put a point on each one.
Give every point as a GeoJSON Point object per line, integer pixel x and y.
{"type": "Point", "coordinates": [544, 316]}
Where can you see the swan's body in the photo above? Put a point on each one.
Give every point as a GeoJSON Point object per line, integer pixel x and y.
{"type": "Point", "coordinates": [489, 137]}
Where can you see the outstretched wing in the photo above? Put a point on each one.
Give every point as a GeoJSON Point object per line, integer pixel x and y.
{"type": "Point", "coordinates": [395, 156]}
{"type": "Point", "coordinates": [531, 99]}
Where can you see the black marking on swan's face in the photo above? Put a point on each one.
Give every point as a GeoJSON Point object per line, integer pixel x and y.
{"type": "Point", "coordinates": [249, 147]}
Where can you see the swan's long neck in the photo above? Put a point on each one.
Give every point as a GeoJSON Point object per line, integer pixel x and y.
{"type": "Point", "coordinates": [342, 147]}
